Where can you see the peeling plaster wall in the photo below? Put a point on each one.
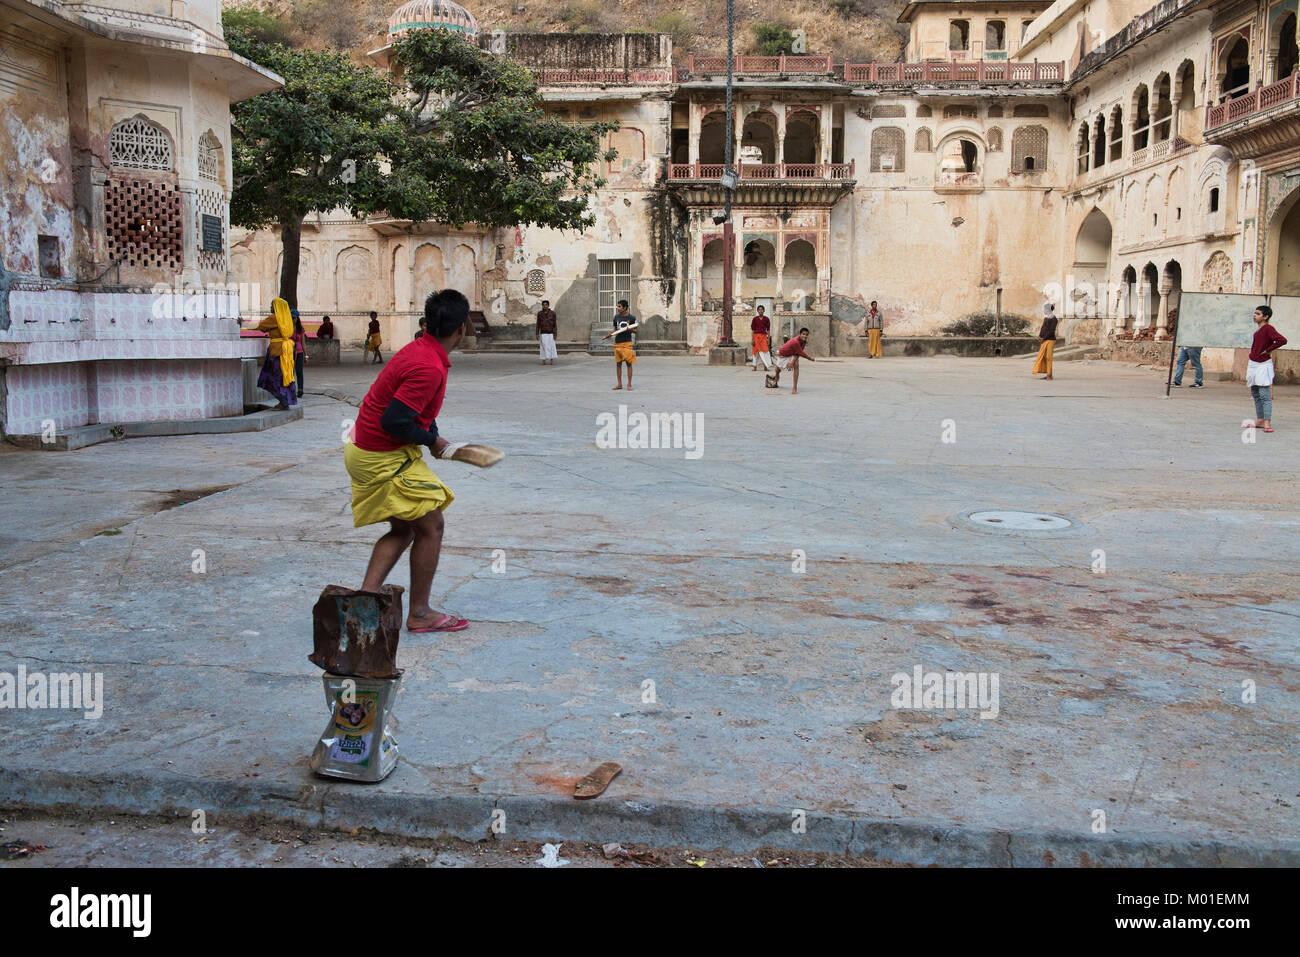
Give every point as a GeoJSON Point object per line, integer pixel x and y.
{"type": "Point", "coordinates": [36, 196]}
{"type": "Point", "coordinates": [931, 257]}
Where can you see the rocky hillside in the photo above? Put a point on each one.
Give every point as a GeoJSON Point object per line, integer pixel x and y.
{"type": "Point", "coordinates": [858, 30]}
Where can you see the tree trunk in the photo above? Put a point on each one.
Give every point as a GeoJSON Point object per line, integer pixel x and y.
{"type": "Point", "coordinates": [291, 246]}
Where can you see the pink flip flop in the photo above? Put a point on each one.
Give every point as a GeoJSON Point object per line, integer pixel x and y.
{"type": "Point", "coordinates": [446, 623]}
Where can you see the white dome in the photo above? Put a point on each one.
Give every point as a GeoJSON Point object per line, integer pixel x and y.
{"type": "Point", "coordinates": [432, 15]}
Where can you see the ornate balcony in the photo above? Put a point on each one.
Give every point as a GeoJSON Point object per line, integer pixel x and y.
{"type": "Point", "coordinates": [1263, 121]}
{"type": "Point", "coordinates": [763, 184]}
{"type": "Point", "coordinates": [974, 72]}
{"type": "Point", "coordinates": [592, 77]}
{"type": "Point", "coordinates": [783, 65]}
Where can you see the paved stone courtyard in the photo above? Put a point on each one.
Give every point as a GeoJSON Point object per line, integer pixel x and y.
{"type": "Point", "coordinates": [1120, 688]}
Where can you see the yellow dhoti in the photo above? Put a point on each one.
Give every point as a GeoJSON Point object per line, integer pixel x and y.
{"type": "Point", "coordinates": [623, 352]}
{"type": "Point", "coordinates": [392, 485]}
{"type": "Point", "coordinates": [873, 343]}
{"type": "Point", "coordinates": [1043, 363]}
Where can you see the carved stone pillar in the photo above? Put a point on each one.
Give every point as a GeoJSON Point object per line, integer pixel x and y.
{"type": "Point", "coordinates": [190, 238]}
{"type": "Point", "coordinates": [780, 134]}
{"type": "Point", "coordinates": [695, 125]}
{"type": "Point", "coordinates": [1162, 314]}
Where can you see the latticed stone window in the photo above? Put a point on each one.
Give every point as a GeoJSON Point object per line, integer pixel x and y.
{"type": "Point", "coordinates": [1029, 149]}
{"type": "Point", "coordinates": [923, 142]}
{"type": "Point", "coordinates": [887, 150]}
{"type": "Point", "coordinates": [536, 281]}
{"type": "Point", "coordinates": [143, 222]}
{"type": "Point", "coordinates": [210, 157]}
{"type": "Point", "coordinates": [995, 140]}
{"type": "Point", "coordinates": [952, 112]}
{"type": "Point", "coordinates": [924, 110]}
{"type": "Point", "coordinates": [138, 144]}
{"type": "Point", "coordinates": [888, 111]}
{"type": "Point", "coordinates": [996, 111]}
{"type": "Point", "coordinates": [1029, 109]}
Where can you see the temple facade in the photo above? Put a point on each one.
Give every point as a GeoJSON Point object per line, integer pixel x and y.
{"type": "Point", "coordinates": [1105, 157]}
{"type": "Point", "coordinates": [116, 303]}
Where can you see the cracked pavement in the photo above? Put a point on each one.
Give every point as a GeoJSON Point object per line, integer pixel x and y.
{"type": "Point", "coordinates": [1120, 691]}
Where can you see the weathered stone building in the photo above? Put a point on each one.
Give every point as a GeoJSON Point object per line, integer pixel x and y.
{"type": "Point", "coordinates": [116, 185]}
{"type": "Point", "coordinates": [1105, 155]}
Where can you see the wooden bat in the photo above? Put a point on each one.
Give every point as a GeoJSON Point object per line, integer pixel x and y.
{"type": "Point", "coordinates": [483, 456]}
{"type": "Point", "coordinates": [619, 329]}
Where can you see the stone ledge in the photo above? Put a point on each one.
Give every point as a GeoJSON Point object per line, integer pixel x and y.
{"type": "Point", "coordinates": [69, 440]}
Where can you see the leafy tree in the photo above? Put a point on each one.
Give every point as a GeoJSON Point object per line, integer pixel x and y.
{"type": "Point", "coordinates": [292, 146]}
{"type": "Point", "coordinates": [255, 24]}
{"type": "Point", "coordinates": [773, 38]}
{"type": "Point", "coordinates": [488, 153]}
{"type": "Point", "coordinates": [465, 140]}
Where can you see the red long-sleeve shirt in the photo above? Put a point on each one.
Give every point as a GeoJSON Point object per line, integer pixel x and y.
{"type": "Point", "coordinates": [793, 348]}
{"type": "Point", "coordinates": [1266, 340]}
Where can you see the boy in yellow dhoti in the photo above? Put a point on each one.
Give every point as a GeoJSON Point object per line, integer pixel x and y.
{"type": "Point", "coordinates": [390, 481]}
{"type": "Point", "coordinates": [1047, 336]}
{"type": "Point", "coordinates": [624, 351]}
{"type": "Point", "coordinates": [875, 330]}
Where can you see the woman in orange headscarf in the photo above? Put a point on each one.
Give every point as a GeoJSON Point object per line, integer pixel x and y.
{"type": "Point", "coordinates": [277, 371]}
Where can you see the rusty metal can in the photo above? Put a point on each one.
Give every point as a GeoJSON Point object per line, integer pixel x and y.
{"type": "Point", "coordinates": [358, 742]}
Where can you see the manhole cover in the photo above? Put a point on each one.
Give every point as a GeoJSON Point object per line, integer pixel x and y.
{"type": "Point", "coordinates": [1020, 521]}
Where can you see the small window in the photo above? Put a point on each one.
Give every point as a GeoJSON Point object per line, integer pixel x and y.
{"type": "Point", "coordinates": [1178, 213]}
{"type": "Point", "coordinates": [959, 35]}
{"type": "Point", "coordinates": [995, 35]}
{"type": "Point", "coordinates": [1155, 219]}
{"type": "Point", "coordinates": [1214, 200]}
{"type": "Point", "coordinates": [48, 249]}
{"type": "Point", "coordinates": [1029, 163]}
{"type": "Point", "coordinates": [536, 281]}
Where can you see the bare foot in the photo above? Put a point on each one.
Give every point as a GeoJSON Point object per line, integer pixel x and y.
{"type": "Point", "coordinates": [794, 391]}
{"type": "Point", "coordinates": [1046, 377]}
{"type": "Point", "coordinates": [616, 388]}
{"type": "Point", "coordinates": [629, 388]}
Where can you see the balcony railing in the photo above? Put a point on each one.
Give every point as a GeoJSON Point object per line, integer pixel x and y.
{"type": "Point", "coordinates": [715, 65]}
{"type": "Point", "coordinates": [948, 71]}
{"type": "Point", "coordinates": [592, 77]}
{"type": "Point", "coordinates": [1256, 101]}
{"type": "Point", "coordinates": [762, 171]}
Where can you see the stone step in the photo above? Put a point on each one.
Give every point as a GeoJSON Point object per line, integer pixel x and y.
{"type": "Point", "coordinates": [646, 347]}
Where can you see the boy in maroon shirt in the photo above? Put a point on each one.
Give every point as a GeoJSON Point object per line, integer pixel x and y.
{"type": "Point", "coordinates": [1259, 368]}
{"type": "Point", "coordinates": [788, 357]}
{"type": "Point", "coordinates": [760, 327]}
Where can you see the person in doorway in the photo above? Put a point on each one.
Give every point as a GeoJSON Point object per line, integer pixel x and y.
{"type": "Point", "coordinates": [326, 330]}
{"type": "Point", "coordinates": [788, 357]}
{"type": "Point", "coordinates": [1189, 354]}
{"type": "Point", "coordinates": [373, 339]}
{"type": "Point", "coordinates": [875, 332]}
{"type": "Point", "coordinates": [624, 351]}
{"type": "Point", "coordinates": [390, 481]}
{"type": "Point", "coordinates": [760, 329]}
{"type": "Point", "coordinates": [1047, 338]}
{"type": "Point", "coordinates": [1259, 368]}
{"type": "Point", "coordinates": [299, 349]}
{"type": "Point", "coordinates": [547, 328]}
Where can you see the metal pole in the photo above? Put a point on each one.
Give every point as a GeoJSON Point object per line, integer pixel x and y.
{"type": "Point", "coordinates": [728, 237]}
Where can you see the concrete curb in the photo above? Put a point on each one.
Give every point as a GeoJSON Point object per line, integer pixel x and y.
{"type": "Point", "coordinates": [315, 802]}
{"type": "Point", "coordinates": [80, 437]}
